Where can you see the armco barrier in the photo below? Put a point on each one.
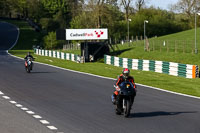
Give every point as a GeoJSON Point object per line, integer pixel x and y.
{"type": "Point", "coordinates": [171, 68]}
{"type": "Point", "coordinates": [58, 54]}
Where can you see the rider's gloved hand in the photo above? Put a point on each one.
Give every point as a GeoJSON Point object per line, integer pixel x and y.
{"type": "Point", "coordinates": [117, 88]}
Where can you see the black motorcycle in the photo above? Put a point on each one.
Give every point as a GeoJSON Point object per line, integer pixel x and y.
{"type": "Point", "coordinates": [28, 64]}
{"type": "Point", "coordinates": [125, 98]}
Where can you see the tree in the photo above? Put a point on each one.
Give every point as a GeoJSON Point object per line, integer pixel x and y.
{"type": "Point", "coordinates": [126, 5]}
{"type": "Point", "coordinates": [21, 7]}
{"type": "Point", "coordinates": [160, 23]}
{"type": "Point", "coordinates": [36, 10]}
{"type": "Point", "coordinates": [188, 7]}
{"type": "Point", "coordinates": [139, 4]}
{"type": "Point", "coordinates": [109, 16]}
{"type": "Point", "coordinates": [75, 7]}
{"type": "Point", "coordinates": [97, 6]}
{"type": "Point", "coordinates": [4, 7]}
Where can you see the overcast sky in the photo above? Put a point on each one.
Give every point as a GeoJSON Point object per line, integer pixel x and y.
{"type": "Point", "coordinates": [163, 4]}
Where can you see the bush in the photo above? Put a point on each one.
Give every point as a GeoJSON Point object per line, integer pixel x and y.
{"type": "Point", "coordinates": [50, 41]}
{"type": "Point", "coordinates": [49, 24]}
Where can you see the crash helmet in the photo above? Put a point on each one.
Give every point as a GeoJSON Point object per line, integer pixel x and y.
{"type": "Point", "coordinates": [126, 72]}
{"type": "Point", "coordinates": [28, 53]}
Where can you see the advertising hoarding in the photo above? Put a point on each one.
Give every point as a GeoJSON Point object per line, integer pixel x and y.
{"type": "Point", "coordinates": [86, 34]}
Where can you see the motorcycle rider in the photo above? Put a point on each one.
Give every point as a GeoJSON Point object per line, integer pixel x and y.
{"type": "Point", "coordinates": [124, 76]}
{"type": "Point", "coordinates": [29, 55]}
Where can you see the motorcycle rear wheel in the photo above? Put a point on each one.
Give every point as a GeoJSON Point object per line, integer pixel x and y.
{"type": "Point", "coordinates": [118, 112]}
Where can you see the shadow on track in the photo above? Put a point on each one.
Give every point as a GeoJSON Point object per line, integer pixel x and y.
{"type": "Point", "coordinates": [157, 113]}
{"type": "Point", "coordinates": [40, 72]}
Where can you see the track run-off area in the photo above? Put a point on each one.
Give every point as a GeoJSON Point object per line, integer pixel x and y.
{"type": "Point", "coordinates": [72, 102]}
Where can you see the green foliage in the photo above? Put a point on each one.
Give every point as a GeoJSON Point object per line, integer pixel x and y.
{"type": "Point", "coordinates": [160, 23]}
{"type": "Point", "coordinates": [84, 20]}
{"type": "Point", "coordinates": [119, 30]}
{"type": "Point", "coordinates": [58, 14]}
{"type": "Point", "coordinates": [36, 10]}
{"type": "Point", "coordinates": [4, 7]}
{"type": "Point", "coordinates": [49, 24]}
{"type": "Point", "coordinates": [53, 6]}
{"type": "Point", "coordinates": [111, 19]}
{"type": "Point", "coordinates": [60, 18]}
{"type": "Point", "coordinates": [50, 41]}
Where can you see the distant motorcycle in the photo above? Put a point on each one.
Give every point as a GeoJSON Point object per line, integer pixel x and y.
{"type": "Point", "coordinates": [28, 64]}
{"type": "Point", "coordinates": [125, 98]}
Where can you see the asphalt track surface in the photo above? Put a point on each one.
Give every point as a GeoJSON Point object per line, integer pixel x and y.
{"type": "Point", "coordinates": [80, 103]}
{"type": "Point", "coordinates": [8, 35]}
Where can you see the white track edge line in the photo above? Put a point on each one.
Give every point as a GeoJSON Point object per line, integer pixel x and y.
{"type": "Point", "coordinates": [44, 122]}
{"type": "Point", "coordinates": [30, 112]}
{"type": "Point", "coordinates": [18, 105]}
{"type": "Point", "coordinates": [52, 127]}
{"type": "Point", "coordinates": [155, 88]}
{"type": "Point", "coordinates": [25, 109]}
{"type": "Point", "coordinates": [13, 102]}
{"type": "Point", "coordinates": [6, 97]}
{"type": "Point", "coordinates": [37, 116]}
{"type": "Point", "coordinates": [1, 93]}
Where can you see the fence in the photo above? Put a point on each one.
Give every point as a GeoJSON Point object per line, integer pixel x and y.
{"type": "Point", "coordinates": [171, 68]}
{"type": "Point", "coordinates": [71, 47]}
{"type": "Point", "coordinates": [59, 55]}
{"type": "Point", "coordinates": [176, 46]}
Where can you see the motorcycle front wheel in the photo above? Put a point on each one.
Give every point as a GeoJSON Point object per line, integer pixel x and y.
{"type": "Point", "coordinates": [127, 108]}
{"type": "Point", "coordinates": [28, 69]}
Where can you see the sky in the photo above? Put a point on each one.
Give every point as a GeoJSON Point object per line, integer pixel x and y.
{"type": "Point", "coordinates": [163, 4]}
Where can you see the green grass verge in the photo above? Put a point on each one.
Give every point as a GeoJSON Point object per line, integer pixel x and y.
{"type": "Point", "coordinates": [164, 81]}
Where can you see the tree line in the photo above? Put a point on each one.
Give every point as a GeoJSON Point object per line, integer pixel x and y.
{"type": "Point", "coordinates": [51, 15]}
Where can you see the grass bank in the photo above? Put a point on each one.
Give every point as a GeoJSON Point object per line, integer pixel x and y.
{"type": "Point", "coordinates": [138, 53]}
{"type": "Point", "coordinates": [179, 47]}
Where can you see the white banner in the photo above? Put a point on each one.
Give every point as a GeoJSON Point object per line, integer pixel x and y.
{"type": "Point", "coordinates": [86, 34]}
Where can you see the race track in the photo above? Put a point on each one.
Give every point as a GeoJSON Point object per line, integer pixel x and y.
{"type": "Point", "coordinates": [80, 103]}
{"type": "Point", "coordinates": [8, 35]}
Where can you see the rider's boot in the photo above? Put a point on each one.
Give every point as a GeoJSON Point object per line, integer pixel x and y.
{"type": "Point", "coordinates": [113, 97]}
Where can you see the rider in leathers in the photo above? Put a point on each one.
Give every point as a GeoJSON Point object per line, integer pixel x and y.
{"type": "Point", "coordinates": [125, 75]}
{"type": "Point", "coordinates": [29, 55]}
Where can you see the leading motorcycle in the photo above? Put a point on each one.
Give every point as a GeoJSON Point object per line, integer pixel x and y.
{"type": "Point", "coordinates": [28, 64]}
{"type": "Point", "coordinates": [125, 99]}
